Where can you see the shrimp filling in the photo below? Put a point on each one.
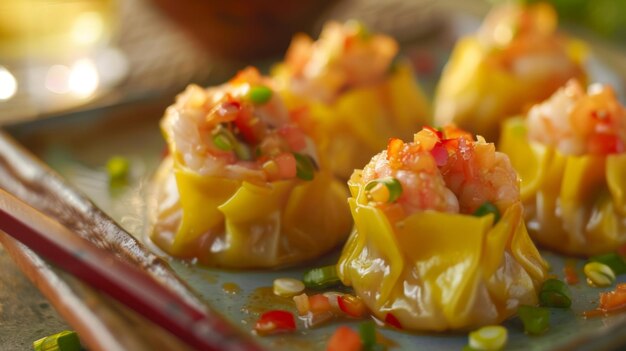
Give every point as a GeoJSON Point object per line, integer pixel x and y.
{"type": "Point", "coordinates": [579, 123]}
{"type": "Point", "coordinates": [446, 171]}
{"type": "Point", "coordinates": [239, 130]}
{"type": "Point", "coordinates": [345, 56]}
{"type": "Point", "coordinates": [523, 40]}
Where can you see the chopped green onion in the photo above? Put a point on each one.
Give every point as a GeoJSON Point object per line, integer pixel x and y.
{"type": "Point", "coordinates": [305, 167]}
{"type": "Point", "coordinates": [613, 260]}
{"type": "Point", "coordinates": [488, 338]}
{"type": "Point", "coordinates": [260, 94]}
{"type": "Point", "coordinates": [243, 152]}
{"type": "Point", "coordinates": [222, 141]}
{"type": "Point", "coordinates": [598, 274]}
{"type": "Point", "coordinates": [367, 331]}
{"type": "Point", "coordinates": [555, 293]}
{"type": "Point", "coordinates": [321, 277]}
{"type": "Point", "coordinates": [118, 168]}
{"type": "Point", "coordinates": [536, 319]}
{"type": "Point", "coordinates": [63, 341]}
{"type": "Point", "coordinates": [384, 190]}
{"type": "Point", "coordinates": [288, 287]}
{"type": "Point", "coordinates": [487, 208]}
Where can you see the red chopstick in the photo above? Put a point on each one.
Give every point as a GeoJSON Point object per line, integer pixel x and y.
{"type": "Point", "coordinates": [106, 272]}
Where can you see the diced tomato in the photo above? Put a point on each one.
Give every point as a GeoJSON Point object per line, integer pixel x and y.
{"type": "Point", "coordinates": [286, 165]}
{"type": "Point", "coordinates": [393, 321]}
{"type": "Point", "coordinates": [247, 127]}
{"type": "Point", "coordinates": [440, 153]}
{"type": "Point", "coordinates": [604, 144]}
{"type": "Point", "coordinates": [319, 303]}
{"type": "Point", "coordinates": [394, 147]}
{"type": "Point", "coordinates": [294, 136]}
{"type": "Point", "coordinates": [344, 339]}
{"type": "Point", "coordinates": [275, 321]}
{"type": "Point", "coordinates": [352, 306]}
{"type": "Point", "coordinates": [613, 300]}
{"type": "Point", "coordinates": [571, 277]}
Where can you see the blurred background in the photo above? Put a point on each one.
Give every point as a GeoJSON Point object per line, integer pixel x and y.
{"type": "Point", "coordinates": [60, 55]}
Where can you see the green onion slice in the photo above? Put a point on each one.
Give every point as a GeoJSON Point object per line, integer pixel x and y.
{"type": "Point", "coordinates": [118, 168]}
{"type": "Point", "coordinates": [243, 152]}
{"type": "Point", "coordinates": [489, 338]}
{"type": "Point", "coordinates": [321, 277]}
{"type": "Point", "coordinates": [305, 167]}
{"type": "Point", "coordinates": [555, 293]}
{"type": "Point", "coordinates": [384, 190]}
{"type": "Point", "coordinates": [260, 94]}
{"type": "Point", "coordinates": [536, 320]}
{"type": "Point", "coordinates": [223, 141]}
{"type": "Point", "coordinates": [367, 331]}
{"type": "Point", "coordinates": [613, 260]}
{"type": "Point", "coordinates": [487, 208]}
{"type": "Point", "coordinates": [63, 341]}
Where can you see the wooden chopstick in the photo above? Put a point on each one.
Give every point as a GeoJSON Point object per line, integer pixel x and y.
{"type": "Point", "coordinates": [105, 272]}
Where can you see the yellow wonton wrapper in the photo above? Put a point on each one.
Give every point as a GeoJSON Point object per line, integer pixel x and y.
{"type": "Point", "coordinates": [438, 271]}
{"type": "Point", "coordinates": [238, 224]}
{"type": "Point", "coordinates": [477, 96]}
{"type": "Point", "coordinates": [359, 123]}
{"type": "Point", "coordinates": [574, 204]}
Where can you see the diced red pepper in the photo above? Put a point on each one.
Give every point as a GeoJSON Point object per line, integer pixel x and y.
{"type": "Point", "coordinates": [344, 339]}
{"type": "Point", "coordinates": [440, 154]}
{"type": "Point", "coordinates": [244, 123]}
{"type": "Point", "coordinates": [605, 144]}
{"type": "Point", "coordinates": [294, 137]}
{"type": "Point", "coordinates": [352, 306]}
{"type": "Point", "coordinates": [275, 321]}
{"type": "Point", "coordinates": [287, 166]}
{"type": "Point", "coordinates": [393, 321]}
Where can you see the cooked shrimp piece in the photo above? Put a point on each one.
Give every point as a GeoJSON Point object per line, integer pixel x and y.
{"type": "Point", "coordinates": [578, 122]}
{"type": "Point", "coordinates": [239, 130]}
{"type": "Point", "coordinates": [345, 56]}
{"type": "Point", "coordinates": [516, 59]}
{"type": "Point", "coordinates": [446, 171]}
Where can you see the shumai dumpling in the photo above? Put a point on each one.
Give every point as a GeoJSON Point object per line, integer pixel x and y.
{"type": "Point", "coordinates": [515, 59]}
{"type": "Point", "coordinates": [241, 186]}
{"type": "Point", "coordinates": [570, 154]}
{"type": "Point", "coordinates": [439, 240]}
{"type": "Point", "coordinates": [356, 96]}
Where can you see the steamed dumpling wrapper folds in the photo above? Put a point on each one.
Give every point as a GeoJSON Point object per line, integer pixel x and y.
{"type": "Point", "coordinates": [483, 83]}
{"type": "Point", "coordinates": [355, 126]}
{"type": "Point", "coordinates": [438, 271]}
{"type": "Point", "coordinates": [575, 204]}
{"type": "Point", "coordinates": [233, 223]}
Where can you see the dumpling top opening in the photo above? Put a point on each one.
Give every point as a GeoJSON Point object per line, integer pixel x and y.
{"type": "Point", "coordinates": [444, 170]}
{"type": "Point", "coordinates": [240, 130]}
